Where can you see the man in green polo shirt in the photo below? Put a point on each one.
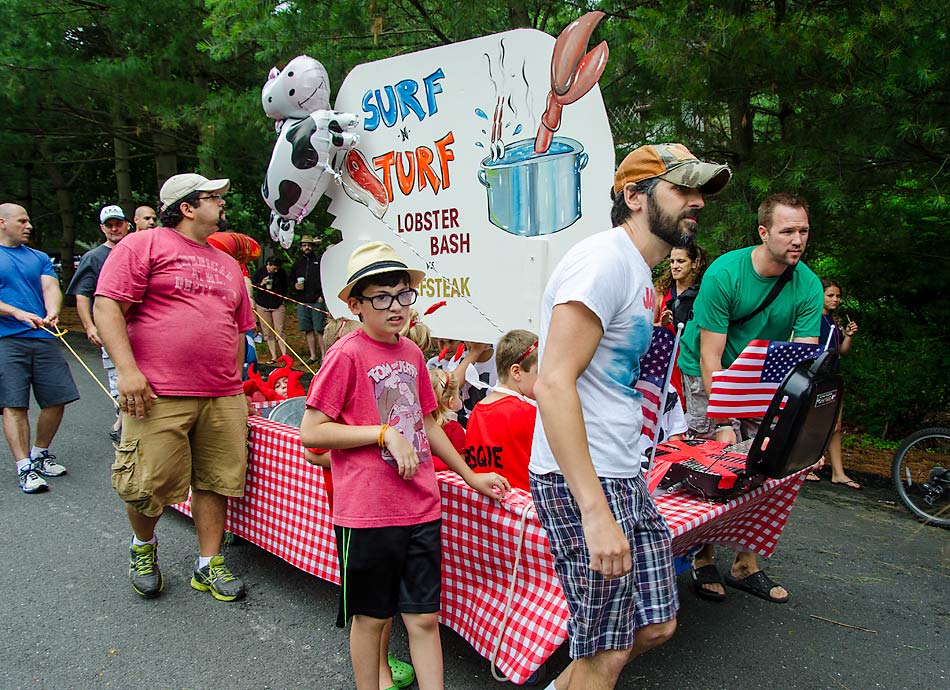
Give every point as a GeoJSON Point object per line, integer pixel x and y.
{"type": "Point", "coordinates": [733, 287]}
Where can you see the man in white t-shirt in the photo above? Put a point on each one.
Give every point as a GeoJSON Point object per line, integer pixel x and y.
{"type": "Point", "coordinates": [612, 549]}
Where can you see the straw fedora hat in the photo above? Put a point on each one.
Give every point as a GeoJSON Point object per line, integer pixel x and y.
{"type": "Point", "coordinates": [372, 259]}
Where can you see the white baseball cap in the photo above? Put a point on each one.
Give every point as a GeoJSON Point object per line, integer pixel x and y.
{"type": "Point", "coordinates": [179, 186]}
{"type": "Point", "coordinates": [112, 211]}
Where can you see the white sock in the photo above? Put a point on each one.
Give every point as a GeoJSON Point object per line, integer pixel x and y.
{"type": "Point", "coordinates": [37, 452]}
{"type": "Point", "coordinates": [138, 542]}
{"type": "Point", "coordinates": [21, 464]}
{"type": "Point", "coordinates": [203, 561]}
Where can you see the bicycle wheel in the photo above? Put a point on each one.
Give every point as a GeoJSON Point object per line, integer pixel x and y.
{"type": "Point", "coordinates": [921, 474]}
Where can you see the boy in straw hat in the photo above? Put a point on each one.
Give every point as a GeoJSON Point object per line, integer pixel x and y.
{"type": "Point", "coordinates": [371, 404]}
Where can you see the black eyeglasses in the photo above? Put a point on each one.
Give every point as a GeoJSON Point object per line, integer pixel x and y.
{"type": "Point", "coordinates": [383, 302]}
{"type": "Point", "coordinates": [216, 197]}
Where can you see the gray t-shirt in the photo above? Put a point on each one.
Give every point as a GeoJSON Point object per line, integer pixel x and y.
{"type": "Point", "coordinates": [607, 274]}
{"type": "Point", "coordinates": [87, 273]}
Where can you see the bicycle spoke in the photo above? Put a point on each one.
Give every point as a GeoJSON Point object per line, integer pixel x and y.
{"type": "Point", "coordinates": [922, 475]}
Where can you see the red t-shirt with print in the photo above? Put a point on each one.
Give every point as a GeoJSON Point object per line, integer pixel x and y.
{"type": "Point", "coordinates": [498, 438]}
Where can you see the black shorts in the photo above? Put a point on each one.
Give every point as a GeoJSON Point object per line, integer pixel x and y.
{"type": "Point", "coordinates": [36, 363]}
{"type": "Point", "coordinates": [385, 570]}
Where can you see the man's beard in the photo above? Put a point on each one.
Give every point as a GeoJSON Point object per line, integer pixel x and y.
{"type": "Point", "coordinates": [222, 223]}
{"type": "Point", "coordinates": [668, 228]}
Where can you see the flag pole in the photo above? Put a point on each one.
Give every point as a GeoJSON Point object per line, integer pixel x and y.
{"type": "Point", "coordinates": [666, 387]}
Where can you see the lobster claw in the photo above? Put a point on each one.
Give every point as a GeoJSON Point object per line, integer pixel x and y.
{"type": "Point", "coordinates": [574, 73]}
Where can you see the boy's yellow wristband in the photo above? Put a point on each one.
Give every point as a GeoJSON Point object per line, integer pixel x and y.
{"type": "Point", "coordinates": [380, 441]}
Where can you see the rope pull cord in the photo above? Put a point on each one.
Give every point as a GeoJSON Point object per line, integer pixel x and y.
{"type": "Point", "coordinates": [285, 343]}
{"type": "Point", "coordinates": [291, 299]}
{"type": "Point", "coordinates": [60, 333]}
{"type": "Point", "coordinates": [509, 597]}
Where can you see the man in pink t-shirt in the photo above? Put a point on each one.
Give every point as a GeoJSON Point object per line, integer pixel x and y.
{"type": "Point", "coordinates": [171, 310]}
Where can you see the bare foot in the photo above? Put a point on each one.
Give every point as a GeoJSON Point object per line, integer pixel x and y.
{"type": "Point", "coordinates": [848, 482]}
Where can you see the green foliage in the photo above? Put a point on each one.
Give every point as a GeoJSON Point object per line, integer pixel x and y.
{"type": "Point", "coordinates": [866, 440]}
{"type": "Point", "coordinates": [844, 102]}
{"type": "Point", "coordinates": [892, 390]}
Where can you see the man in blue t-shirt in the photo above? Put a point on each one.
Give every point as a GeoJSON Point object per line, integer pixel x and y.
{"type": "Point", "coordinates": [30, 300]}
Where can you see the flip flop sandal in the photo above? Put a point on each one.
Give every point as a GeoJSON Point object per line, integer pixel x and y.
{"type": "Point", "coordinates": [812, 477]}
{"type": "Point", "coordinates": [851, 484]}
{"type": "Point", "coordinates": [403, 673]}
{"type": "Point", "coordinates": [758, 584]}
{"type": "Point", "coordinates": [707, 575]}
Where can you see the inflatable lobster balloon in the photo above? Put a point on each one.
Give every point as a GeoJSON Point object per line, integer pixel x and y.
{"type": "Point", "coordinates": [244, 249]}
{"type": "Point", "coordinates": [311, 145]}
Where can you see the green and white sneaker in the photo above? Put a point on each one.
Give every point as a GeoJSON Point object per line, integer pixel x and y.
{"type": "Point", "coordinates": [144, 574]}
{"type": "Point", "coordinates": [219, 580]}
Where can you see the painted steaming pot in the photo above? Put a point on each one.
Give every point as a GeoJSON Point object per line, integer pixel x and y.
{"type": "Point", "coordinates": [532, 194]}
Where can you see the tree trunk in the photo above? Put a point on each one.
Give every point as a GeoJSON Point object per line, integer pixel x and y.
{"type": "Point", "coordinates": [518, 17]}
{"type": "Point", "coordinates": [67, 215]}
{"type": "Point", "coordinates": [740, 126]}
{"type": "Point", "coordinates": [28, 188]}
{"type": "Point", "coordinates": [166, 148]}
{"type": "Point", "coordinates": [123, 175]}
{"type": "Point", "coordinates": [166, 159]}
{"type": "Point", "coordinates": [206, 162]}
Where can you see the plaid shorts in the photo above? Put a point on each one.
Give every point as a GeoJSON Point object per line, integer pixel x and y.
{"type": "Point", "coordinates": [606, 613]}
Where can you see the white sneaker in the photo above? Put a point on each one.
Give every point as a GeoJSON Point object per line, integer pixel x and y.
{"type": "Point", "coordinates": [46, 465]}
{"type": "Point", "coordinates": [31, 482]}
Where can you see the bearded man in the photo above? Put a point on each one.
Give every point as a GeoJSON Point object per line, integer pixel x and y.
{"type": "Point", "coordinates": [611, 548]}
{"type": "Point", "coordinates": [171, 311]}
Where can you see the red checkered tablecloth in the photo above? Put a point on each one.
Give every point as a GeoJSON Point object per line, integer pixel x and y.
{"type": "Point", "coordinates": [285, 512]}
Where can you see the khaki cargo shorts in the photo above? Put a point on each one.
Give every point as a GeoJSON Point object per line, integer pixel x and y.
{"type": "Point", "coordinates": [199, 443]}
{"type": "Point", "coordinates": [701, 426]}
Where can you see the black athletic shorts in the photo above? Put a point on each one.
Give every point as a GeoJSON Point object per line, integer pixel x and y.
{"type": "Point", "coordinates": [385, 570]}
{"type": "Point", "coordinates": [36, 363]}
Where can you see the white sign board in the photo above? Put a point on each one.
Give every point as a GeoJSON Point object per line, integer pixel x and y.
{"type": "Point", "coordinates": [447, 173]}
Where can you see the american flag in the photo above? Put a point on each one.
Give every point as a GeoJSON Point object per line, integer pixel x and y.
{"type": "Point", "coordinates": [653, 366]}
{"type": "Point", "coordinates": [746, 388]}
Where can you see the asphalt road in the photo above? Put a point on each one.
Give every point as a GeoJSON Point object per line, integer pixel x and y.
{"type": "Point", "coordinates": [870, 600]}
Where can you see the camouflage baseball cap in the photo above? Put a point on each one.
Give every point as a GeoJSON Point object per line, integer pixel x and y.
{"type": "Point", "coordinates": [673, 163]}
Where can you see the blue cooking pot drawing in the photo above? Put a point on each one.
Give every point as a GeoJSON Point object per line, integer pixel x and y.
{"type": "Point", "coordinates": [531, 194]}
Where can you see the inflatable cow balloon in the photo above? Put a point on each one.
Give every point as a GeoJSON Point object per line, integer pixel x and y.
{"type": "Point", "coordinates": [311, 146]}
{"type": "Point", "coordinates": [301, 88]}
